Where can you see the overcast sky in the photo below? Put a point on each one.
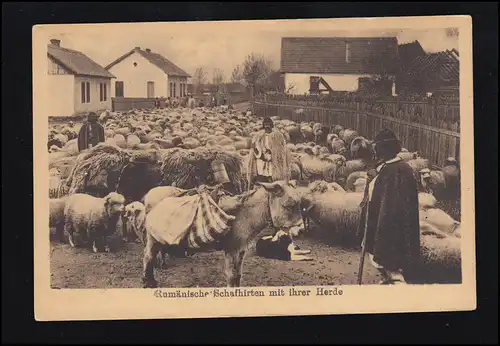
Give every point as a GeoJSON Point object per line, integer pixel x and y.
{"type": "Point", "coordinates": [221, 45]}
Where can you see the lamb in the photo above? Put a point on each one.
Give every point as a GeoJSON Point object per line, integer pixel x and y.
{"type": "Point", "coordinates": [92, 218]}
{"type": "Point", "coordinates": [135, 217]}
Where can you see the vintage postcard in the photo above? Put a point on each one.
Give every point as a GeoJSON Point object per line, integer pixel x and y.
{"type": "Point", "coordinates": [253, 168]}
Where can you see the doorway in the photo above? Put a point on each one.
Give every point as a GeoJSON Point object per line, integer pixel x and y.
{"type": "Point", "coordinates": [151, 90]}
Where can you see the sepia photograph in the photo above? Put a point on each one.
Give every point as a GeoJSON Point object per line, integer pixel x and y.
{"type": "Point", "coordinates": [290, 166]}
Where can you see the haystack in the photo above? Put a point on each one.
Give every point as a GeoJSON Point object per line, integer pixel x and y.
{"type": "Point", "coordinates": [188, 169]}
{"type": "Point", "coordinates": [97, 169]}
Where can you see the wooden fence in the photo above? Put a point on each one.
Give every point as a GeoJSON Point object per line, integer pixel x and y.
{"type": "Point", "coordinates": [431, 111]}
{"type": "Point", "coordinates": [123, 104]}
{"type": "Point", "coordinates": [435, 144]}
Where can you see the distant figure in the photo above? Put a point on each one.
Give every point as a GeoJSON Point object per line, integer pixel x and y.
{"type": "Point", "coordinates": [168, 103]}
{"type": "Point", "coordinates": [91, 133]}
{"type": "Point", "coordinates": [191, 102]}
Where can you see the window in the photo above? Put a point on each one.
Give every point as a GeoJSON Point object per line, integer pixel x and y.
{"type": "Point", "coordinates": [171, 89]}
{"type": "Point", "coordinates": [174, 90]}
{"type": "Point", "coordinates": [347, 52]}
{"type": "Point", "coordinates": [103, 92]}
{"type": "Point", "coordinates": [85, 92]}
{"type": "Point", "coordinates": [182, 89]}
{"type": "Point", "coordinates": [119, 89]}
{"type": "Point", "coordinates": [88, 92]}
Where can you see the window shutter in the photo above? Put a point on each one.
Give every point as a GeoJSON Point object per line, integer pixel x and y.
{"type": "Point", "coordinates": [83, 92]}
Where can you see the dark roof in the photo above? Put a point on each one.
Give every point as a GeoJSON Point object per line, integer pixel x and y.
{"type": "Point", "coordinates": [156, 59]}
{"type": "Point", "coordinates": [408, 52]}
{"type": "Point", "coordinates": [77, 62]}
{"type": "Point", "coordinates": [234, 88]}
{"type": "Point", "coordinates": [370, 55]}
{"type": "Point", "coordinates": [435, 67]}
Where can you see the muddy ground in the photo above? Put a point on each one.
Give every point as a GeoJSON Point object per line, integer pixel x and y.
{"type": "Point", "coordinates": [122, 268]}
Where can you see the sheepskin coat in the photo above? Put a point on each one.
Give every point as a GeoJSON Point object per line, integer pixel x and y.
{"type": "Point", "coordinates": [280, 157]}
{"type": "Point", "coordinates": [393, 231]}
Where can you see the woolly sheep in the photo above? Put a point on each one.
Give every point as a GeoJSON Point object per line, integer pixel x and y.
{"type": "Point", "coordinates": [93, 218]}
{"type": "Point", "coordinates": [135, 217]}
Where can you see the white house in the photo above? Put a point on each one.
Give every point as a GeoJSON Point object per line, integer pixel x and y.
{"type": "Point", "coordinates": [144, 74]}
{"type": "Point", "coordinates": [340, 61]}
{"type": "Point", "coordinates": [77, 84]}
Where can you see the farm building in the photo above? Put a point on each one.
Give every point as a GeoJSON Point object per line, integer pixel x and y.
{"type": "Point", "coordinates": [145, 74]}
{"type": "Point", "coordinates": [231, 92]}
{"type": "Point", "coordinates": [77, 84]}
{"type": "Point", "coordinates": [433, 73]}
{"type": "Point", "coordinates": [335, 62]}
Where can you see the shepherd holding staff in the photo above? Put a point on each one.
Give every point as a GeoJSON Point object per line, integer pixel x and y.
{"type": "Point", "coordinates": [390, 214]}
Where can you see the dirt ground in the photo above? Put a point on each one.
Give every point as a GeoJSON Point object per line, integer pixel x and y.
{"type": "Point", "coordinates": [122, 268]}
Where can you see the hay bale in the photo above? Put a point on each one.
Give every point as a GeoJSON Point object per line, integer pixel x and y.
{"type": "Point", "coordinates": [94, 167]}
{"type": "Point", "coordinates": [63, 165]}
{"type": "Point", "coordinates": [188, 169]}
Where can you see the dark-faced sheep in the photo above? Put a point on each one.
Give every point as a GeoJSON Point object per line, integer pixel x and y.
{"type": "Point", "coordinates": [92, 218]}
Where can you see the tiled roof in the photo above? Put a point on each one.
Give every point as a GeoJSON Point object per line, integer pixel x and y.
{"type": "Point", "coordinates": [77, 62]}
{"type": "Point", "coordinates": [433, 67]}
{"type": "Point", "coordinates": [408, 52]}
{"type": "Point", "coordinates": [370, 55]}
{"type": "Point", "coordinates": [163, 63]}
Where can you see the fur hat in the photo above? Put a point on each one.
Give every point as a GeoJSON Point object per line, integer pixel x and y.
{"type": "Point", "coordinates": [267, 120]}
{"type": "Point", "coordinates": [385, 135]}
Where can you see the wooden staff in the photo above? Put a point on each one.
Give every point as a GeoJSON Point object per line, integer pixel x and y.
{"type": "Point", "coordinates": [363, 247]}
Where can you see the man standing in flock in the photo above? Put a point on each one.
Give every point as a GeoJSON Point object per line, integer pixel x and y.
{"type": "Point", "coordinates": [390, 214]}
{"type": "Point", "coordinates": [91, 133]}
{"type": "Point", "coordinates": [269, 159]}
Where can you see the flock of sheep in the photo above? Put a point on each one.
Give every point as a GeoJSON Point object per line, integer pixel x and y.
{"type": "Point", "coordinates": [329, 165]}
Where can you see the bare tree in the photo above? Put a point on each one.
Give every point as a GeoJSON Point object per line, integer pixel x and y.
{"type": "Point", "coordinates": [218, 77]}
{"type": "Point", "coordinates": [199, 78]}
{"type": "Point", "coordinates": [237, 75]}
{"type": "Point", "coordinates": [256, 72]}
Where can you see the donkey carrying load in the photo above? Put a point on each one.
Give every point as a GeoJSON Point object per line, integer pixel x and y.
{"type": "Point", "coordinates": [197, 224]}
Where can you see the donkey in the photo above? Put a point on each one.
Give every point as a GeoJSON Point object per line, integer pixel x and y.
{"type": "Point", "coordinates": [277, 204]}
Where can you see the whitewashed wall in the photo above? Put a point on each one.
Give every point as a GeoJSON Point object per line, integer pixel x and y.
{"type": "Point", "coordinates": [177, 81]}
{"type": "Point", "coordinates": [135, 78]}
{"type": "Point", "coordinates": [60, 95]}
{"type": "Point", "coordinates": [338, 82]}
{"type": "Point", "coordinates": [95, 103]}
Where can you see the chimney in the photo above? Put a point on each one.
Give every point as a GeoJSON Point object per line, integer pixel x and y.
{"type": "Point", "coordinates": [55, 42]}
{"type": "Point", "coordinates": [137, 48]}
{"type": "Point", "coordinates": [148, 50]}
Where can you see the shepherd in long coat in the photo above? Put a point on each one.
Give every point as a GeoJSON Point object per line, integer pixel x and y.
{"type": "Point", "coordinates": [269, 157]}
{"type": "Point", "coordinates": [91, 133]}
{"type": "Point", "coordinates": [390, 213]}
